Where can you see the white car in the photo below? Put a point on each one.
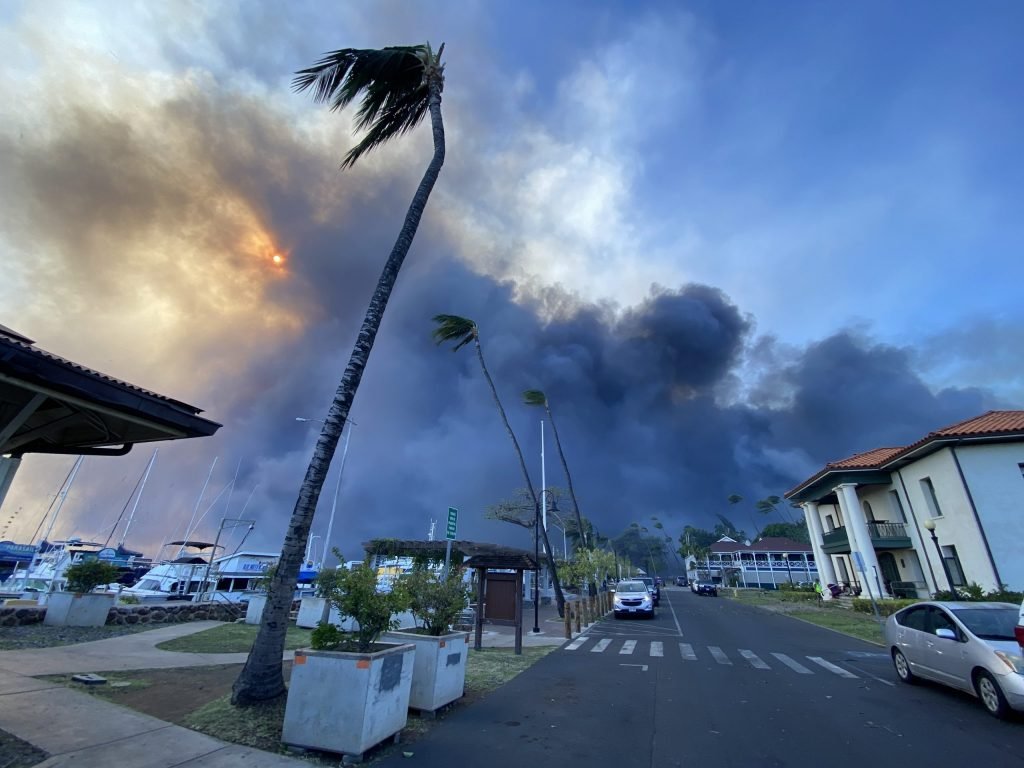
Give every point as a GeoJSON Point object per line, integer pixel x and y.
{"type": "Point", "coordinates": [970, 646]}
{"type": "Point", "coordinates": [1019, 630]}
{"type": "Point", "coordinates": [632, 598]}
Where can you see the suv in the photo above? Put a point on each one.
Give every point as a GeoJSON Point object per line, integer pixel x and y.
{"type": "Point", "coordinates": [632, 598]}
{"type": "Point", "coordinates": [652, 586]}
{"type": "Point", "coordinates": [682, 581]}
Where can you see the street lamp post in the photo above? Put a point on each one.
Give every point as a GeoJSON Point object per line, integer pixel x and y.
{"type": "Point", "coordinates": [536, 570]}
{"type": "Point", "coordinates": [930, 526]}
{"type": "Point", "coordinates": [789, 570]}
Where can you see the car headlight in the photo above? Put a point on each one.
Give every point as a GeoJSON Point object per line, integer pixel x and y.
{"type": "Point", "coordinates": [618, 601]}
{"type": "Point", "coordinates": [1014, 661]}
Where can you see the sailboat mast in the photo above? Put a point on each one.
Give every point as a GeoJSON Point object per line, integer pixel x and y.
{"type": "Point", "coordinates": [195, 509]}
{"type": "Point", "coordinates": [138, 496]}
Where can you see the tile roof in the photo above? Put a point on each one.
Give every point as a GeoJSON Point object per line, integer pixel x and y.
{"type": "Point", "coordinates": [993, 424]}
{"type": "Point", "coordinates": [15, 340]}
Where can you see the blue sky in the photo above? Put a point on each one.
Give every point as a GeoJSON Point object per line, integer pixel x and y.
{"type": "Point", "coordinates": [836, 171]}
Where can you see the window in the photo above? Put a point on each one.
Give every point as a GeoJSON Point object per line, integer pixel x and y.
{"type": "Point", "coordinates": [830, 523]}
{"type": "Point", "coordinates": [1021, 468]}
{"type": "Point", "coordinates": [897, 507]}
{"type": "Point", "coordinates": [956, 571]}
{"type": "Point", "coordinates": [928, 489]}
{"type": "Point", "coordinates": [913, 618]}
{"type": "Point", "coordinates": [939, 619]}
{"type": "Point", "coordinates": [869, 513]}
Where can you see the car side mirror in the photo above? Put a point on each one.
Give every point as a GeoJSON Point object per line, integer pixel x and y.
{"type": "Point", "coordinates": [945, 634]}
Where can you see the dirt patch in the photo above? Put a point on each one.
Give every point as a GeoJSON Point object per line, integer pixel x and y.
{"type": "Point", "coordinates": [15, 753]}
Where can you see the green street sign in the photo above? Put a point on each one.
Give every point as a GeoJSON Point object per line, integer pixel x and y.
{"type": "Point", "coordinates": [453, 523]}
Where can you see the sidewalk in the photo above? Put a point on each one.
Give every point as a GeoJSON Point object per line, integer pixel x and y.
{"type": "Point", "coordinates": [85, 731]}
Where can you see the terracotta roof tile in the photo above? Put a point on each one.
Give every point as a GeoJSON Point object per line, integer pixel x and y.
{"type": "Point", "coordinates": [991, 423]}
{"type": "Point", "coordinates": [867, 460]}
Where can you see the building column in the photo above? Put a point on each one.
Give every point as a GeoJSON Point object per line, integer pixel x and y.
{"type": "Point", "coordinates": [860, 538]}
{"type": "Point", "coordinates": [826, 571]}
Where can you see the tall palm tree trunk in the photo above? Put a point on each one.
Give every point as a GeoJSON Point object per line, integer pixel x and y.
{"type": "Point", "coordinates": [262, 677]}
{"type": "Point", "coordinates": [568, 477]}
{"type": "Point", "coordinates": [559, 597]}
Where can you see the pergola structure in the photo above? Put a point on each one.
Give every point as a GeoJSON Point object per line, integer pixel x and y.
{"type": "Point", "coordinates": [52, 405]}
{"type": "Point", "coordinates": [492, 563]}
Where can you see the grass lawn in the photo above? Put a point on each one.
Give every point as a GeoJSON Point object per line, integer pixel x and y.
{"type": "Point", "coordinates": [859, 625]}
{"type": "Point", "coordinates": [199, 697]}
{"type": "Point", "coordinates": [47, 636]}
{"type": "Point", "coordinates": [231, 638]}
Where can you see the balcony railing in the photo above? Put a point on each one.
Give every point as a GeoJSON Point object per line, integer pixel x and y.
{"type": "Point", "coordinates": [883, 536]}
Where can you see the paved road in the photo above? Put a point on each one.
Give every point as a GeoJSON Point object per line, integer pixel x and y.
{"type": "Point", "coordinates": [710, 681]}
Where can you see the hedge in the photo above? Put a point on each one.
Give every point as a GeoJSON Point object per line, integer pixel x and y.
{"type": "Point", "coordinates": [885, 607]}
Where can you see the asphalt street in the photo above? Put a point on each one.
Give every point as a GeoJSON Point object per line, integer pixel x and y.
{"type": "Point", "coordinates": [713, 682]}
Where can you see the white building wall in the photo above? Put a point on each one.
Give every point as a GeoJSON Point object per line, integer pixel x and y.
{"type": "Point", "coordinates": [994, 477]}
{"type": "Point", "coordinates": [956, 525]}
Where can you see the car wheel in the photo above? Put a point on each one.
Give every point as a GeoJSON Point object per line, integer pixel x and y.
{"type": "Point", "coordinates": [902, 667]}
{"type": "Point", "coordinates": [991, 694]}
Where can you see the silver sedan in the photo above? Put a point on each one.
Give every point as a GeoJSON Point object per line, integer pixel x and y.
{"type": "Point", "coordinates": [970, 646]}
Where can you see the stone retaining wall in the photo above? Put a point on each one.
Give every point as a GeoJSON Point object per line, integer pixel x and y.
{"type": "Point", "coordinates": [153, 613]}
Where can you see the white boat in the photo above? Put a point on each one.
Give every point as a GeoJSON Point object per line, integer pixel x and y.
{"type": "Point", "coordinates": [191, 575]}
{"type": "Point", "coordinates": [46, 571]}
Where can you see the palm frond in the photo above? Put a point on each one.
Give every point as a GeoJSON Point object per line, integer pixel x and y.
{"type": "Point", "coordinates": [455, 329]}
{"type": "Point", "coordinates": [390, 82]}
{"type": "Point", "coordinates": [535, 397]}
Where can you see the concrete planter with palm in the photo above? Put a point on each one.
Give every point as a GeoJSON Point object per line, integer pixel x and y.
{"type": "Point", "coordinates": [396, 88]}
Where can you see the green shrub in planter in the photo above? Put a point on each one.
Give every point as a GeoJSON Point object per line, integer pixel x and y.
{"type": "Point", "coordinates": [84, 577]}
{"type": "Point", "coordinates": [354, 594]}
{"type": "Point", "coordinates": [436, 601]}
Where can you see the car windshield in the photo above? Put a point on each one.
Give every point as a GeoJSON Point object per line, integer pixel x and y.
{"type": "Point", "coordinates": [631, 586]}
{"type": "Point", "coordinates": [989, 623]}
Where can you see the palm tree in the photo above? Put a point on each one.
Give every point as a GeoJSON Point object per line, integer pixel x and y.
{"type": "Point", "coordinates": [461, 331]}
{"type": "Point", "coordinates": [395, 87]}
{"type": "Point", "coordinates": [536, 397]}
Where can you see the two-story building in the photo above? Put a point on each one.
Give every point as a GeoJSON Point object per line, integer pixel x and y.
{"type": "Point", "coordinates": [947, 510]}
{"type": "Point", "coordinates": [765, 563]}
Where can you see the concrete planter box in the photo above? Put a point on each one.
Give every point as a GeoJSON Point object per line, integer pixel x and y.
{"type": "Point", "coordinates": [348, 702]}
{"type": "Point", "coordinates": [439, 670]}
{"type": "Point", "coordinates": [312, 611]}
{"type": "Point", "coordinates": [254, 609]}
{"type": "Point", "coordinates": [68, 609]}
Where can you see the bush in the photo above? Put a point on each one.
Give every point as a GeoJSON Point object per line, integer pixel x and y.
{"type": "Point", "coordinates": [885, 607]}
{"type": "Point", "coordinates": [354, 593]}
{"type": "Point", "coordinates": [128, 600]}
{"type": "Point", "coordinates": [436, 602]}
{"type": "Point", "coordinates": [85, 576]}
{"type": "Point", "coordinates": [788, 587]}
{"type": "Point", "coordinates": [974, 593]}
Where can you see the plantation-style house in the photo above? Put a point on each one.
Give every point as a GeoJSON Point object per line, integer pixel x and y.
{"type": "Point", "coordinates": [879, 520]}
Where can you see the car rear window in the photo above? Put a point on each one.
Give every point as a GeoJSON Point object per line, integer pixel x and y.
{"type": "Point", "coordinates": [989, 623]}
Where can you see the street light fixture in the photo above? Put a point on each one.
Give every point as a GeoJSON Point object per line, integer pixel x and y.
{"type": "Point", "coordinates": [929, 524]}
{"type": "Point", "coordinates": [789, 571]}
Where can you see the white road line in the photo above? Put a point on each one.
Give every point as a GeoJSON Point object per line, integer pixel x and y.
{"type": "Point", "coordinates": [628, 646]}
{"type": "Point", "coordinates": [794, 665]}
{"type": "Point", "coordinates": [719, 655]}
{"type": "Point", "coordinates": [675, 618]}
{"type": "Point", "coordinates": [752, 657]}
{"type": "Point", "coordinates": [687, 652]}
{"type": "Point", "coordinates": [601, 645]}
{"type": "Point", "coordinates": [657, 648]}
{"type": "Point", "coordinates": [575, 643]}
{"type": "Point", "coordinates": [832, 667]}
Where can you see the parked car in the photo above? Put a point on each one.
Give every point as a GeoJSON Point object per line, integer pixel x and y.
{"type": "Point", "coordinates": [707, 588]}
{"type": "Point", "coordinates": [1019, 629]}
{"type": "Point", "coordinates": [970, 646]}
{"type": "Point", "coordinates": [653, 587]}
{"type": "Point", "coordinates": [682, 581]}
{"type": "Point", "coordinates": [633, 598]}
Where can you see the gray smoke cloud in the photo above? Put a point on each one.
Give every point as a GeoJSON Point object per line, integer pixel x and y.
{"type": "Point", "coordinates": [143, 239]}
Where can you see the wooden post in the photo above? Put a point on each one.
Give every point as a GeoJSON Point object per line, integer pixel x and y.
{"type": "Point", "coordinates": [478, 634]}
{"type": "Point", "coordinates": [568, 621]}
{"type": "Point", "coordinates": [519, 613]}
{"type": "Point", "coordinates": [593, 607]}
{"type": "Point", "coordinates": [576, 610]}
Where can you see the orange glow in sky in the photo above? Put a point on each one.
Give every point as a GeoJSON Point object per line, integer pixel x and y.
{"type": "Point", "coordinates": [278, 258]}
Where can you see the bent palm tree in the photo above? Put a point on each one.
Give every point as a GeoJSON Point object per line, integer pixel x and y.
{"type": "Point", "coordinates": [396, 87]}
{"type": "Point", "coordinates": [536, 397]}
{"type": "Point", "coordinates": [462, 331]}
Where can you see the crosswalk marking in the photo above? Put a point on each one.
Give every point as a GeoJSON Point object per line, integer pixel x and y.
{"type": "Point", "coordinates": [754, 660]}
{"type": "Point", "coordinates": [656, 648]}
{"type": "Point", "coordinates": [832, 667]}
{"type": "Point", "coordinates": [794, 665]}
{"type": "Point", "coordinates": [719, 655]}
